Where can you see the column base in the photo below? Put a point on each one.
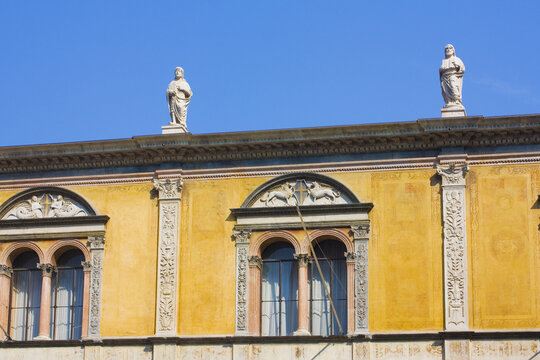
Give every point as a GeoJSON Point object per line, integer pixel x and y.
{"type": "Point", "coordinates": [301, 332]}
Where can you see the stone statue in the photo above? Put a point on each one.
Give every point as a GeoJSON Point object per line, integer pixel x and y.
{"type": "Point", "coordinates": [451, 77]}
{"type": "Point", "coordinates": [178, 96]}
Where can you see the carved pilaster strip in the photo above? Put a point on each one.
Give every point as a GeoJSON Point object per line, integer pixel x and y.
{"type": "Point", "coordinates": [97, 245]}
{"type": "Point", "coordinates": [360, 256]}
{"type": "Point", "coordinates": [241, 238]}
{"type": "Point", "coordinates": [167, 282]}
{"type": "Point", "coordinates": [455, 246]}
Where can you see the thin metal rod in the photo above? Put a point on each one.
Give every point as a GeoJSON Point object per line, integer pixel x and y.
{"type": "Point", "coordinates": [319, 268]}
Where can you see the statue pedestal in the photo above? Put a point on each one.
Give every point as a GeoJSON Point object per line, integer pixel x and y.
{"type": "Point", "coordinates": [454, 111]}
{"type": "Point", "coordinates": [174, 129]}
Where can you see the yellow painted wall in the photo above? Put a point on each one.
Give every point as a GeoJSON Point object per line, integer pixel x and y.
{"type": "Point", "coordinates": [207, 254]}
{"type": "Point", "coordinates": [503, 242]}
{"type": "Point", "coordinates": [405, 271]}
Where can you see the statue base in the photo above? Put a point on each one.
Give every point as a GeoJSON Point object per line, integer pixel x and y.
{"type": "Point", "coordinates": [453, 111]}
{"type": "Point", "coordinates": [174, 129]}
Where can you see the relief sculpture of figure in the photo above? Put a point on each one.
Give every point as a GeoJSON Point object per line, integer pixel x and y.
{"type": "Point", "coordinates": [451, 77]}
{"type": "Point", "coordinates": [178, 97]}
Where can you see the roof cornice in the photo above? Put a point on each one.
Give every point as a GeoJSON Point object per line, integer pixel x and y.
{"type": "Point", "coordinates": [423, 134]}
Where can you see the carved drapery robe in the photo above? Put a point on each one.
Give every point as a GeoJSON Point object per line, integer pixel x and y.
{"type": "Point", "coordinates": [451, 76]}
{"type": "Point", "coordinates": [178, 96]}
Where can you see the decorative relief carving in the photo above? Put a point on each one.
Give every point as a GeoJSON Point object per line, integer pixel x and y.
{"type": "Point", "coordinates": [255, 261]}
{"type": "Point", "coordinates": [47, 269]}
{"type": "Point", "coordinates": [361, 285]}
{"type": "Point", "coordinates": [453, 174]}
{"type": "Point", "coordinates": [300, 191]}
{"type": "Point", "coordinates": [45, 206]}
{"type": "Point", "coordinates": [96, 242]}
{"type": "Point", "coordinates": [455, 245]}
{"type": "Point", "coordinates": [241, 288]}
{"type": "Point", "coordinates": [519, 349]}
{"type": "Point", "coordinates": [168, 188]}
{"type": "Point", "coordinates": [95, 290]}
{"type": "Point", "coordinates": [303, 259]}
{"type": "Point", "coordinates": [405, 350]}
{"type": "Point", "coordinates": [360, 231]}
{"type": "Point", "coordinates": [350, 257]}
{"type": "Point", "coordinates": [86, 265]}
{"type": "Point", "coordinates": [166, 305]}
{"type": "Point", "coordinates": [5, 270]}
{"type": "Point", "coordinates": [241, 236]}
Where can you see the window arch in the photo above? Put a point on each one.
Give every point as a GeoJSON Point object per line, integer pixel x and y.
{"type": "Point", "coordinates": [25, 300]}
{"type": "Point", "coordinates": [331, 257]}
{"type": "Point", "coordinates": [279, 290]}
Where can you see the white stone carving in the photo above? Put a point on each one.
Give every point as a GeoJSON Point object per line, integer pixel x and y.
{"type": "Point", "coordinates": [5, 270]}
{"type": "Point", "coordinates": [178, 97]}
{"type": "Point", "coordinates": [241, 238]}
{"type": "Point", "coordinates": [302, 191]}
{"type": "Point", "coordinates": [45, 206]}
{"type": "Point", "coordinates": [361, 308]}
{"type": "Point", "coordinates": [451, 78]}
{"type": "Point", "coordinates": [169, 213]}
{"type": "Point", "coordinates": [97, 245]}
{"type": "Point", "coordinates": [46, 269]}
{"type": "Point", "coordinates": [455, 246]}
{"type": "Point", "coordinates": [168, 188]}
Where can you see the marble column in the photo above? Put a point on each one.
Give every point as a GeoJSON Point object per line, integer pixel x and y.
{"type": "Point", "coordinates": [241, 239]}
{"type": "Point", "coordinates": [97, 246]}
{"type": "Point", "coordinates": [455, 246]}
{"type": "Point", "coordinates": [5, 282]}
{"type": "Point", "coordinates": [361, 308]}
{"type": "Point", "coordinates": [87, 270]}
{"type": "Point", "coordinates": [303, 305]}
{"type": "Point", "coordinates": [45, 304]}
{"type": "Point", "coordinates": [169, 191]}
{"type": "Point", "coordinates": [254, 302]}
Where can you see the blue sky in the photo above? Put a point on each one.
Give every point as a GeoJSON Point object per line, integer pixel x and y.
{"type": "Point", "coordinates": [76, 71]}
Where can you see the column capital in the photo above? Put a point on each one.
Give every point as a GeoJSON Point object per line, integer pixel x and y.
{"type": "Point", "coordinates": [453, 174]}
{"type": "Point", "coordinates": [350, 257]}
{"type": "Point", "coordinates": [5, 270]}
{"type": "Point", "coordinates": [360, 232]}
{"type": "Point", "coordinates": [47, 269]}
{"type": "Point", "coordinates": [96, 242]}
{"type": "Point", "coordinates": [241, 236]}
{"type": "Point", "coordinates": [303, 259]}
{"type": "Point", "coordinates": [169, 189]}
{"type": "Point", "coordinates": [87, 266]}
{"type": "Point", "coordinates": [255, 261]}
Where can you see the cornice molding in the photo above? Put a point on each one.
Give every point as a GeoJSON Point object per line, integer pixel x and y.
{"type": "Point", "coordinates": [423, 134]}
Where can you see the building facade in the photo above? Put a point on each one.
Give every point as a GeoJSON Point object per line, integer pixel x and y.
{"type": "Point", "coordinates": [411, 240]}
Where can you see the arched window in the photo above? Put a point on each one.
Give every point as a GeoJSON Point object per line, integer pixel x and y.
{"type": "Point", "coordinates": [279, 290]}
{"type": "Point", "coordinates": [25, 297]}
{"type": "Point", "coordinates": [67, 289]}
{"type": "Point", "coordinates": [331, 256]}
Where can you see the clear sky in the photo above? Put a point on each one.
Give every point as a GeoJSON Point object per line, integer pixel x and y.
{"type": "Point", "coordinates": [92, 70]}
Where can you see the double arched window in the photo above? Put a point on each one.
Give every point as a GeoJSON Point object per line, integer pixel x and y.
{"type": "Point", "coordinates": [281, 227]}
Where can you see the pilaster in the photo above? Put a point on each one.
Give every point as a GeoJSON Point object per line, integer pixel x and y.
{"type": "Point", "coordinates": [454, 245]}
{"type": "Point", "coordinates": [97, 246]}
{"type": "Point", "coordinates": [169, 191]}
{"type": "Point", "coordinates": [361, 309]}
{"type": "Point", "coordinates": [241, 239]}
{"type": "Point", "coordinates": [5, 280]}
